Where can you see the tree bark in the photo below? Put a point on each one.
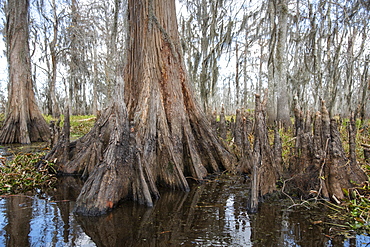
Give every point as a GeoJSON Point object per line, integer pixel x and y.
{"type": "Point", "coordinates": [264, 169]}
{"type": "Point", "coordinates": [366, 149]}
{"type": "Point", "coordinates": [282, 111]}
{"type": "Point", "coordinates": [222, 124]}
{"type": "Point", "coordinates": [320, 162]}
{"type": "Point", "coordinates": [352, 132]}
{"type": "Point", "coordinates": [263, 153]}
{"type": "Point", "coordinates": [24, 122]}
{"type": "Point", "coordinates": [238, 129]}
{"type": "Point", "coordinates": [54, 62]}
{"type": "Point", "coordinates": [154, 134]}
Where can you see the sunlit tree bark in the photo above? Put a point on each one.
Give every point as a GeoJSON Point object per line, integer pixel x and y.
{"type": "Point", "coordinates": [24, 122]}
{"type": "Point", "coordinates": [160, 137]}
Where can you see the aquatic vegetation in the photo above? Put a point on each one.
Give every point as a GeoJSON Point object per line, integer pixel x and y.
{"type": "Point", "coordinates": [357, 207]}
{"type": "Point", "coordinates": [80, 124]}
{"type": "Point", "coordinates": [25, 173]}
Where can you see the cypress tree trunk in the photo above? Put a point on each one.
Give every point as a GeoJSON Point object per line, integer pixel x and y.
{"type": "Point", "coordinates": [153, 136]}
{"type": "Point", "coordinates": [320, 163]}
{"type": "Point", "coordinates": [264, 168]}
{"type": "Point", "coordinates": [222, 124]}
{"type": "Point", "coordinates": [24, 122]}
{"type": "Point", "coordinates": [282, 111]}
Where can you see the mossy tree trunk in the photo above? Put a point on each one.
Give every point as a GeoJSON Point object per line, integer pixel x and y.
{"type": "Point", "coordinates": [154, 134]}
{"type": "Point", "coordinates": [24, 122]}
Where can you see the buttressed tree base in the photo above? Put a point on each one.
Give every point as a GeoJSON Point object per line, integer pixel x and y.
{"type": "Point", "coordinates": [154, 134]}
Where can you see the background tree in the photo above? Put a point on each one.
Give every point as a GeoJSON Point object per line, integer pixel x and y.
{"type": "Point", "coordinates": [24, 122]}
{"type": "Point", "coordinates": [280, 70]}
{"type": "Point", "coordinates": [98, 46]}
{"type": "Point", "coordinates": [52, 50]}
{"type": "Point", "coordinates": [278, 109]}
{"type": "Point", "coordinates": [207, 32]}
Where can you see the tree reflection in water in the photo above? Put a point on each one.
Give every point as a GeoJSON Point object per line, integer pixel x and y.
{"type": "Point", "coordinates": [211, 214]}
{"type": "Point", "coordinates": [205, 216]}
{"type": "Point", "coordinates": [33, 221]}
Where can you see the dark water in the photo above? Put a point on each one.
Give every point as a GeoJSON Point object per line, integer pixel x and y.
{"type": "Point", "coordinates": [211, 214]}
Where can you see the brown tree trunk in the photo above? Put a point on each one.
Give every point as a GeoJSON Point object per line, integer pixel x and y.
{"type": "Point", "coordinates": [267, 172]}
{"type": "Point", "coordinates": [54, 63]}
{"type": "Point", "coordinates": [222, 124]}
{"type": "Point", "coordinates": [352, 132]}
{"type": "Point", "coordinates": [161, 137]}
{"type": "Point", "coordinates": [366, 149]}
{"type": "Point", "coordinates": [238, 129]}
{"type": "Point", "coordinates": [320, 163]}
{"type": "Point", "coordinates": [264, 169]}
{"type": "Point", "coordinates": [24, 122]}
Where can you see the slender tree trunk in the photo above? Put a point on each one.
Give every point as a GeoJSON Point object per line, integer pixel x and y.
{"type": "Point", "coordinates": [24, 122]}
{"type": "Point", "coordinates": [282, 112]}
{"type": "Point", "coordinates": [95, 83]}
{"type": "Point", "coordinates": [73, 89]}
{"type": "Point", "coordinates": [222, 124]}
{"type": "Point", "coordinates": [365, 85]}
{"type": "Point", "coordinates": [54, 62]}
{"type": "Point", "coordinates": [271, 107]}
{"type": "Point", "coordinates": [237, 82]}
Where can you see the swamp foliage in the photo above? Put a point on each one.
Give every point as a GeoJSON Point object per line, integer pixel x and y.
{"type": "Point", "coordinates": [24, 174]}
{"type": "Point", "coordinates": [24, 171]}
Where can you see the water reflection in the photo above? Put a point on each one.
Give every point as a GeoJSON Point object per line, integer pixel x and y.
{"type": "Point", "coordinates": [212, 214]}
{"type": "Point", "coordinates": [33, 221]}
{"type": "Point", "coordinates": [237, 223]}
{"type": "Point", "coordinates": [202, 217]}
{"type": "Point", "coordinates": [3, 221]}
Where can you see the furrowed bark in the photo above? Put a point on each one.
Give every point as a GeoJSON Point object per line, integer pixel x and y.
{"type": "Point", "coordinates": [264, 173]}
{"type": "Point", "coordinates": [321, 167]}
{"type": "Point", "coordinates": [154, 135]}
{"type": "Point", "coordinates": [24, 122]}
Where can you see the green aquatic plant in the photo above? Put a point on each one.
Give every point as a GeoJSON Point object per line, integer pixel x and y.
{"type": "Point", "coordinates": [358, 208]}
{"type": "Point", "coordinates": [26, 173]}
{"type": "Point", "coordinates": [353, 212]}
{"type": "Point", "coordinates": [79, 124]}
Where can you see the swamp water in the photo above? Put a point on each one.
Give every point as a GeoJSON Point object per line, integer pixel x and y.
{"type": "Point", "coordinates": [211, 214]}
